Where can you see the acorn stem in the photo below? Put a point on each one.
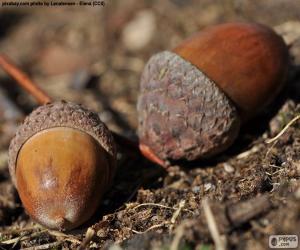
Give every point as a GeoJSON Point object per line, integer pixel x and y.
{"type": "Point", "coordinates": [23, 80]}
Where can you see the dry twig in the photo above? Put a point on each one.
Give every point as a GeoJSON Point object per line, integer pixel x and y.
{"type": "Point", "coordinates": [176, 214]}
{"type": "Point", "coordinates": [178, 235]}
{"type": "Point", "coordinates": [212, 226]}
{"type": "Point", "coordinates": [45, 246]}
{"type": "Point", "coordinates": [149, 229]}
{"type": "Point", "coordinates": [162, 206]}
{"type": "Point", "coordinates": [65, 237]}
{"type": "Point", "coordinates": [23, 80]}
{"type": "Point", "coordinates": [283, 130]}
{"type": "Point", "coordinates": [88, 237]}
{"type": "Point", "coordinates": [23, 237]}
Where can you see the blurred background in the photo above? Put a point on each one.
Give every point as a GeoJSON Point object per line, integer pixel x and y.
{"type": "Point", "coordinates": [95, 56]}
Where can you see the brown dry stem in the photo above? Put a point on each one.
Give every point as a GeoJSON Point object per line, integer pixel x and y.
{"type": "Point", "coordinates": [23, 80]}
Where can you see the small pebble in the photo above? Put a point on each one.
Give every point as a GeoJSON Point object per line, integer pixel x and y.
{"type": "Point", "coordinates": [196, 189]}
{"type": "Point", "coordinates": [139, 32]}
{"type": "Point", "coordinates": [228, 168]}
{"type": "Point", "coordinates": [115, 247]}
{"type": "Point", "coordinates": [106, 116]}
{"type": "Point", "coordinates": [208, 186]}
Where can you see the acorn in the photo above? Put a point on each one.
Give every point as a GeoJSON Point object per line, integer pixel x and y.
{"type": "Point", "coordinates": [194, 98]}
{"type": "Point", "coordinates": [62, 160]}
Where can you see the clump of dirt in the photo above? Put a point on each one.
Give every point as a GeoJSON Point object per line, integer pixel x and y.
{"type": "Point", "coordinates": [253, 195]}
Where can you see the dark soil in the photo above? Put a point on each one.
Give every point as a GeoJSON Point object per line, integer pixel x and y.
{"type": "Point", "coordinates": [90, 56]}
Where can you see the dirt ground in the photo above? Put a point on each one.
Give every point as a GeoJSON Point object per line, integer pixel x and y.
{"type": "Point", "coordinates": [95, 56]}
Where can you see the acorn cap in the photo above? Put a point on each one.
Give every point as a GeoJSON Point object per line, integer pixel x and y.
{"type": "Point", "coordinates": [183, 115]}
{"type": "Point", "coordinates": [63, 114]}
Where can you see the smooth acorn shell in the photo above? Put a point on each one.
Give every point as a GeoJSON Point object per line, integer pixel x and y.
{"type": "Point", "coordinates": [61, 176]}
{"type": "Point", "coordinates": [249, 62]}
{"type": "Point", "coordinates": [62, 160]}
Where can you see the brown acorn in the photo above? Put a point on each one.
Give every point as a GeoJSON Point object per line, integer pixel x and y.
{"type": "Point", "coordinates": [62, 160]}
{"type": "Point", "coordinates": [193, 99]}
